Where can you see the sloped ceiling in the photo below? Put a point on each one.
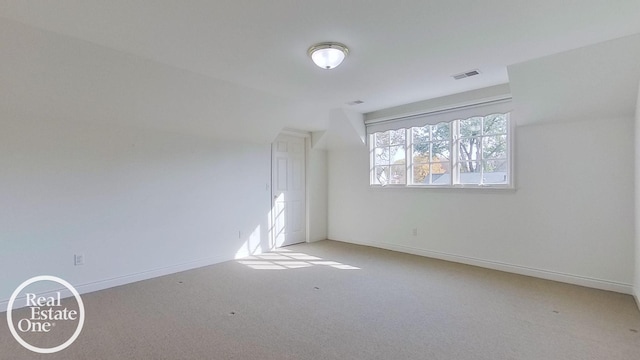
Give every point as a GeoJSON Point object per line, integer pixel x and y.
{"type": "Point", "coordinates": [254, 51]}
{"type": "Point", "coordinates": [51, 78]}
{"type": "Point", "coordinates": [594, 82]}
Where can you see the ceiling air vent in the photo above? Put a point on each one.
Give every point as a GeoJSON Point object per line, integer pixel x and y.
{"type": "Point", "coordinates": [466, 74]}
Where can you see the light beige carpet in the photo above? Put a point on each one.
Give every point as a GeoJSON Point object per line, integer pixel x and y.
{"type": "Point", "coordinates": [330, 300]}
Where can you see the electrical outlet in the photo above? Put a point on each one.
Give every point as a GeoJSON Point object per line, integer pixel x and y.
{"type": "Point", "coordinates": [78, 259]}
{"type": "Point", "coordinates": [415, 231]}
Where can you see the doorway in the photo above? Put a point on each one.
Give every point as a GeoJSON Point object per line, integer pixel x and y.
{"type": "Point", "coordinates": [288, 190]}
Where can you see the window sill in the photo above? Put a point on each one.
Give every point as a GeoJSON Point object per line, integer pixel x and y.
{"type": "Point", "coordinates": [509, 187]}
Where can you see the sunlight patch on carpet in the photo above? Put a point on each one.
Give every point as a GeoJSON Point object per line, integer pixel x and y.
{"type": "Point", "coordinates": [285, 259]}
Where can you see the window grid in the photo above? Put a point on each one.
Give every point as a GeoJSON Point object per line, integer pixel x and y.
{"type": "Point", "coordinates": [433, 164]}
{"type": "Point", "coordinates": [387, 146]}
{"type": "Point", "coordinates": [488, 148]}
{"type": "Point", "coordinates": [479, 137]}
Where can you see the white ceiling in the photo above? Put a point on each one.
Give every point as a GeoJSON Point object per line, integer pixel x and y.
{"type": "Point", "coordinates": [401, 51]}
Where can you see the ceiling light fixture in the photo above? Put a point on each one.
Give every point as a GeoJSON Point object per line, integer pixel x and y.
{"type": "Point", "coordinates": [328, 55]}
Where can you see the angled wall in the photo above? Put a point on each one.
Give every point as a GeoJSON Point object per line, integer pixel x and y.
{"type": "Point", "coordinates": [637, 204]}
{"type": "Point", "coordinates": [142, 168]}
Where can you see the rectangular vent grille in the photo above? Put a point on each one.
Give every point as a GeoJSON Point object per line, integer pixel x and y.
{"type": "Point", "coordinates": [466, 74]}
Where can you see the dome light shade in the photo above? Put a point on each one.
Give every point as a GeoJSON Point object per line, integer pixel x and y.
{"type": "Point", "coordinates": [328, 55]}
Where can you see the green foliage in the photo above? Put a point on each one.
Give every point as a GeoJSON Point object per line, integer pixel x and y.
{"type": "Point", "coordinates": [432, 140]}
{"type": "Point", "coordinates": [482, 139]}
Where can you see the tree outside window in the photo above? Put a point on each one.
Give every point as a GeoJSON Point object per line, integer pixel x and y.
{"type": "Point", "coordinates": [473, 151]}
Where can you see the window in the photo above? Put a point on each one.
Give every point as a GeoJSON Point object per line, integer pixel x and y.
{"type": "Point", "coordinates": [460, 153]}
{"type": "Point", "coordinates": [431, 154]}
{"type": "Point", "coordinates": [390, 157]}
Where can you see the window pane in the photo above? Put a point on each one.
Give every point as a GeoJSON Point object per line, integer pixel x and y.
{"type": "Point", "coordinates": [469, 173]}
{"type": "Point", "coordinates": [439, 167]}
{"type": "Point", "coordinates": [471, 127]}
{"type": "Point", "coordinates": [440, 174]}
{"type": "Point", "coordinates": [420, 173]}
{"type": "Point", "coordinates": [397, 154]}
{"type": "Point", "coordinates": [397, 136]}
{"type": "Point", "coordinates": [381, 175]}
{"type": "Point", "coordinates": [469, 149]}
{"type": "Point", "coordinates": [495, 172]}
{"type": "Point", "coordinates": [398, 174]}
{"type": "Point", "coordinates": [494, 165]}
{"type": "Point", "coordinates": [441, 131]}
{"type": "Point", "coordinates": [420, 134]}
{"type": "Point", "coordinates": [440, 151]}
{"type": "Point", "coordinates": [494, 147]}
{"type": "Point", "coordinates": [381, 156]}
{"type": "Point", "coordinates": [382, 139]}
{"type": "Point", "coordinates": [495, 124]}
{"type": "Point", "coordinates": [421, 151]}
{"type": "Point", "coordinates": [469, 167]}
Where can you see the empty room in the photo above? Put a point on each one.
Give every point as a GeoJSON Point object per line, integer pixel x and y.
{"type": "Point", "coordinates": [252, 179]}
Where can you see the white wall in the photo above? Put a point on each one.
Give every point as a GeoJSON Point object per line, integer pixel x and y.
{"type": "Point", "coordinates": [317, 193]}
{"type": "Point", "coordinates": [596, 81]}
{"type": "Point", "coordinates": [143, 168]}
{"type": "Point", "coordinates": [130, 200]}
{"type": "Point", "coordinates": [637, 203]}
{"type": "Point", "coordinates": [570, 218]}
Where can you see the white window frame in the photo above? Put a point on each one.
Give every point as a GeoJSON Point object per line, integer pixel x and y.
{"type": "Point", "coordinates": [454, 159]}
{"type": "Point", "coordinates": [410, 158]}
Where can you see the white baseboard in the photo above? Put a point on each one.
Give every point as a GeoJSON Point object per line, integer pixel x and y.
{"type": "Point", "coordinates": [516, 269]}
{"type": "Point", "coordinates": [120, 280]}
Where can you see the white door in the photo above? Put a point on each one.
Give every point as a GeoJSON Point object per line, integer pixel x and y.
{"type": "Point", "coordinates": [288, 190]}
